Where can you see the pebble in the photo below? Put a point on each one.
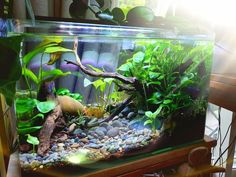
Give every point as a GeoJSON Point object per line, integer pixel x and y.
{"type": "Point", "coordinates": [101, 134]}
{"type": "Point", "coordinates": [104, 124]}
{"type": "Point", "coordinates": [60, 144]}
{"type": "Point", "coordinates": [77, 131]}
{"type": "Point", "coordinates": [93, 145]}
{"type": "Point", "coordinates": [103, 129]}
{"type": "Point", "coordinates": [116, 123]}
{"type": "Point", "coordinates": [109, 127]}
{"type": "Point", "coordinates": [131, 115]}
{"type": "Point", "coordinates": [125, 111]}
{"type": "Point", "coordinates": [63, 138]}
{"type": "Point", "coordinates": [76, 145]}
{"type": "Point", "coordinates": [84, 140]}
{"type": "Point", "coordinates": [113, 132]}
{"type": "Point", "coordinates": [76, 140]}
{"type": "Point", "coordinates": [71, 127]}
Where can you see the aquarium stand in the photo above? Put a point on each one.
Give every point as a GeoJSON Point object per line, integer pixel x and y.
{"type": "Point", "coordinates": [140, 166]}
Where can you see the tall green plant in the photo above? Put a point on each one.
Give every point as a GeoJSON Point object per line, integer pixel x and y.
{"type": "Point", "coordinates": [48, 46]}
{"type": "Point", "coordinates": [166, 69]}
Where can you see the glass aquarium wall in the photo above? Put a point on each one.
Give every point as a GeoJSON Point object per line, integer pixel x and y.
{"type": "Point", "coordinates": [92, 96]}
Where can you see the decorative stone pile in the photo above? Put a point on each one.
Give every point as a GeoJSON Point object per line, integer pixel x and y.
{"type": "Point", "coordinates": [108, 139]}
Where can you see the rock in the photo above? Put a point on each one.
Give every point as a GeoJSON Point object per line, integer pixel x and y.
{"type": "Point", "coordinates": [125, 111]}
{"type": "Point", "coordinates": [54, 148]}
{"type": "Point", "coordinates": [84, 140]}
{"type": "Point", "coordinates": [116, 117]}
{"type": "Point", "coordinates": [101, 134]}
{"type": "Point", "coordinates": [109, 127]}
{"type": "Point", "coordinates": [104, 130]}
{"type": "Point", "coordinates": [104, 124]}
{"type": "Point", "coordinates": [116, 123]}
{"type": "Point", "coordinates": [121, 115]}
{"type": "Point", "coordinates": [93, 145]}
{"type": "Point", "coordinates": [76, 140]}
{"type": "Point", "coordinates": [70, 105]}
{"type": "Point", "coordinates": [77, 131]}
{"type": "Point", "coordinates": [71, 127]}
{"type": "Point", "coordinates": [113, 132]}
{"type": "Point", "coordinates": [83, 135]}
{"type": "Point", "coordinates": [93, 141]}
{"type": "Point", "coordinates": [131, 115]}
{"type": "Point", "coordinates": [63, 138]}
{"type": "Point", "coordinates": [128, 141]}
{"type": "Point", "coordinates": [76, 145]}
{"type": "Point", "coordinates": [60, 146]}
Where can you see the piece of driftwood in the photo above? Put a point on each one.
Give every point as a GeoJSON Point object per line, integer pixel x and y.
{"type": "Point", "coordinates": [48, 127]}
{"type": "Point", "coordinates": [53, 120]}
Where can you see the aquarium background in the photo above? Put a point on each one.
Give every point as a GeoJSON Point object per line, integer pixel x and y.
{"type": "Point", "coordinates": [151, 96]}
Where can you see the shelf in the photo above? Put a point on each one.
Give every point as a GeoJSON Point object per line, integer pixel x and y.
{"type": "Point", "coordinates": [223, 91]}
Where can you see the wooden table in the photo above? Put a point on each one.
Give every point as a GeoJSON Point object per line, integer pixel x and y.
{"type": "Point", "coordinates": [223, 94]}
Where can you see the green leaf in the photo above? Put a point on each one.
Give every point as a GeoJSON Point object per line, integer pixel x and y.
{"type": "Point", "coordinates": [52, 75]}
{"type": "Point", "coordinates": [46, 106]}
{"type": "Point", "coordinates": [11, 66]}
{"type": "Point", "coordinates": [62, 91]}
{"type": "Point", "coordinates": [154, 83]}
{"type": "Point", "coordinates": [140, 15]}
{"type": "Point", "coordinates": [167, 101]}
{"type": "Point", "coordinates": [118, 14]}
{"type": "Point", "coordinates": [109, 80]}
{"type": "Point", "coordinates": [23, 131]}
{"type": "Point", "coordinates": [157, 112]}
{"type": "Point", "coordinates": [87, 82]}
{"type": "Point", "coordinates": [138, 57]}
{"type": "Point", "coordinates": [149, 114]}
{"type": "Point", "coordinates": [23, 124]}
{"type": "Point", "coordinates": [95, 69]}
{"type": "Point", "coordinates": [32, 140]}
{"type": "Point", "coordinates": [147, 122]}
{"type": "Point", "coordinates": [29, 56]}
{"type": "Point", "coordinates": [154, 75]}
{"type": "Point", "coordinates": [37, 116]}
{"type": "Point", "coordinates": [76, 96]}
{"type": "Point", "coordinates": [98, 83]}
{"type": "Point", "coordinates": [54, 49]}
{"type": "Point", "coordinates": [125, 67]}
{"type": "Point", "coordinates": [28, 73]}
{"type": "Point", "coordinates": [25, 105]}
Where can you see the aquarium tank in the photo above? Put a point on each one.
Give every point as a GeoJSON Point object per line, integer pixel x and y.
{"type": "Point", "coordinates": [93, 96]}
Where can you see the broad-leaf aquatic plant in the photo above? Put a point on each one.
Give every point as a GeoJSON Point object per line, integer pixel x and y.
{"type": "Point", "coordinates": [48, 46]}
{"type": "Point", "coordinates": [10, 71]}
{"type": "Point", "coordinates": [171, 78]}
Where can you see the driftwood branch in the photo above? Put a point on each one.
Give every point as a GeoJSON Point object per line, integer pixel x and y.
{"type": "Point", "coordinates": [126, 80]}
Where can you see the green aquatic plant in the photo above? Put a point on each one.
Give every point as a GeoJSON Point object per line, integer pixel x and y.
{"type": "Point", "coordinates": [32, 140]}
{"type": "Point", "coordinates": [103, 87]}
{"type": "Point", "coordinates": [169, 73]}
{"type": "Point", "coordinates": [10, 70]}
{"type": "Point", "coordinates": [48, 46]}
{"type": "Point", "coordinates": [30, 112]}
{"type": "Point", "coordinates": [64, 91]}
